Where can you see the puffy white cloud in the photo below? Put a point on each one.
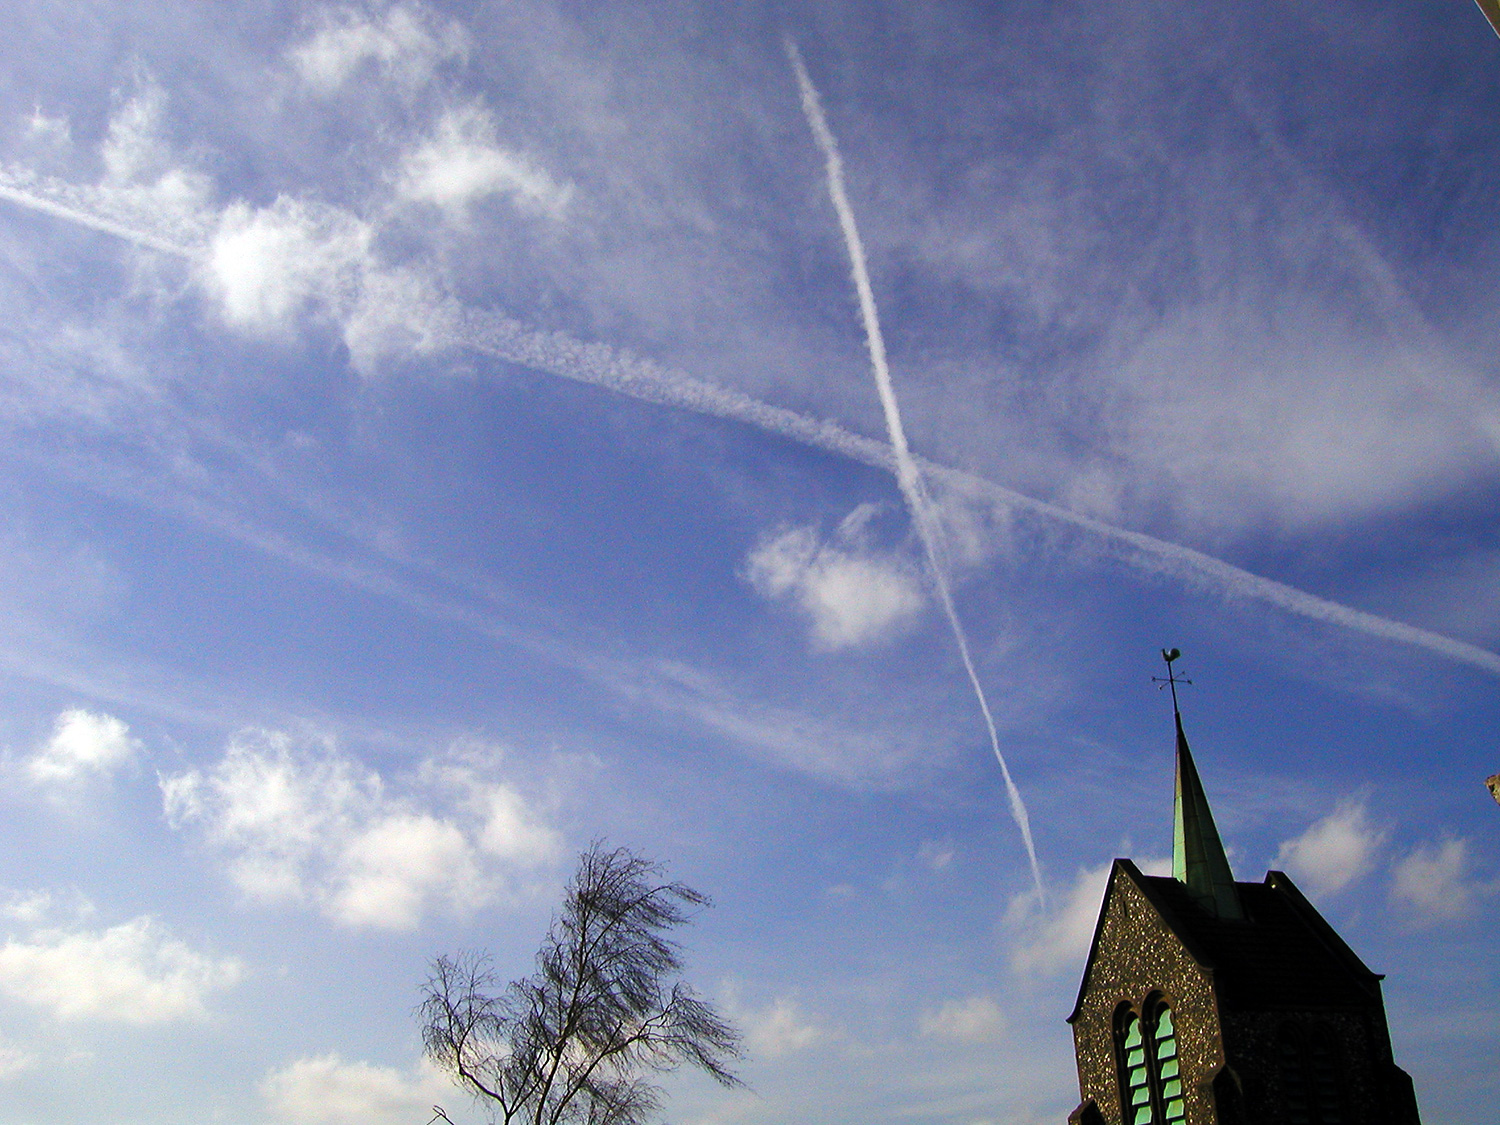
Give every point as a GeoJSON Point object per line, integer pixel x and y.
{"type": "Point", "coordinates": [326, 1090]}
{"type": "Point", "coordinates": [133, 149]}
{"type": "Point", "coordinates": [1059, 939]}
{"type": "Point", "coordinates": [510, 830]}
{"type": "Point", "coordinates": [463, 162]}
{"type": "Point", "coordinates": [392, 867]}
{"type": "Point", "coordinates": [977, 1019]}
{"type": "Point", "coordinates": [267, 266]}
{"type": "Point", "coordinates": [1335, 851]}
{"type": "Point", "coordinates": [83, 745]}
{"type": "Point", "coordinates": [1433, 881]}
{"type": "Point", "coordinates": [315, 826]}
{"type": "Point", "coordinates": [135, 972]}
{"type": "Point", "coordinates": [778, 1029]}
{"type": "Point", "coordinates": [407, 44]}
{"type": "Point", "coordinates": [853, 594]}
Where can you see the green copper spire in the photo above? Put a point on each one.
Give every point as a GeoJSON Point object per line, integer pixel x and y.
{"type": "Point", "coordinates": [1198, 857]}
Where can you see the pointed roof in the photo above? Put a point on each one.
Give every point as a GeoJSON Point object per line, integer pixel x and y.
{"type": "Point", "coordinates": [1279, 953]}
{"type": "Point", "coordinates": [1198, 859]}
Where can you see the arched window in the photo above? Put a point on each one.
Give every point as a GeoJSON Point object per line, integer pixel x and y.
{"type": "Point", "coordinates": [1135, 1078]}
{"type": "Point", "coordinates": [1146, 1052]}
{"type": "Point", "coordinates": [1312, 1087]}
{"type": "Point", "coordinates": [1168, 1080]}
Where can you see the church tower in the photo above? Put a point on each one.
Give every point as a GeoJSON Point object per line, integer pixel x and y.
{"type": "Point", "coordinates": [1210, 1002]}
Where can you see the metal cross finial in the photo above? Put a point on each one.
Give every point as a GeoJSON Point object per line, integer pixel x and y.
{"type": "Point", "coordinates": [1171, 679]}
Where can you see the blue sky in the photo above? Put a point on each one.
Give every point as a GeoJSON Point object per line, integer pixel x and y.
{"type": "Point", "coordinates": [435, 437]}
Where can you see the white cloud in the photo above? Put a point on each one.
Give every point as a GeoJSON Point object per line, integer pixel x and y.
{"type": "Point", "coordinates": [1335, 851]}
{"type": "Point", "coordinates": [936, 855]}
{"type": "Point", "coordinates": [133, 149]}
{"type": "Point", "coordinates": [140, 167]}
{"type": "Point", "coordinates": [326, 1090]}
{"type": "Point", "coordinates": [392, 867]}
{"type": "Point", "coordinates": [406, 45]}
{"type": "Point", "coordinates": [267, 266]}
{"type": "Point", "coordinates": [977, 1019]}
{"type": "Point", "coordinates": [267, 263]}
{"type": "Point", "coordinates": [55, 132]}
{"type": "Point", "coordinates": [853, 594]}
{"type": "Point", "coordinates": [1059, 939]}
{"type": "Point", "coordinates": [38, 907]}
{"type": "Point", "coordinates": [135, 973]}
{"type": "Point", "coordinates": [463, 163]}
{"type": "Point", "coordinates": [14, 1060]}
{"type": "Point", "coordinates": [317, 827]}
{"type": "Point", "coordinates": [83, 745]}
{"type": "Point", "coordinates": [1292, 412]}
{"type": "Point", "coordinates": [778, 1029]}
{"type": "Point", "coordinates": [1434, 882]}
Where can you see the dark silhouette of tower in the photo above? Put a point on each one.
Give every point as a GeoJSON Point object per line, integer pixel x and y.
{"type": "Point", "coordinates": [1210, 1002]}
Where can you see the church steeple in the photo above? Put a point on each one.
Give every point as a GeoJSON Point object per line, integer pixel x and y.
{"type": "Point", "coordinates": [1210, 1002]}
{"type": "Point", "coordinates": [1198, 858]}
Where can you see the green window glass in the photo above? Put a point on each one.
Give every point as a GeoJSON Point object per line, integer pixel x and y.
{"type": "Point", "coordinates": [1135, 1078]}
{"type": "Point", "coordinates": [1169, 1081]}
{"type": "Point", "coordinates": [1150, 1078]}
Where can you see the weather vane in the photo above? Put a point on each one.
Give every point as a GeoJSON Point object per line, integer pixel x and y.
{"type": "Point", "coordinates": [1171, 679]}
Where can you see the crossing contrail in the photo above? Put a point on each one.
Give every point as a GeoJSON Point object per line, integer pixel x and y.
{"type": "Point", "coordinates": [908, 474]}
{"type": "Point", "coordinates": [499, 336]}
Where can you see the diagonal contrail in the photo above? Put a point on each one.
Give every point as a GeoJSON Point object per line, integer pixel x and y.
{"type": "Point", "coordinates": [88, 207]}
{"type": "Point", "coordinates": [600, 365]}
{"type": "Point", "coordinates": [908, 475]}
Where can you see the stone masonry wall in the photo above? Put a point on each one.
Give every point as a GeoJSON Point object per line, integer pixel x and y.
{"type": "Point", "coordinates": [1137, 955]}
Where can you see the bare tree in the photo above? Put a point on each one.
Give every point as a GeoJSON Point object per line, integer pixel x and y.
{"type": "Point", "coordinates": [570, 1045]}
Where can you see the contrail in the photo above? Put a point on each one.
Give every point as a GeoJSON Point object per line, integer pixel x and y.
{"type": "Point", "coordinates": [502, 337]}
{"type": "Point", "coordinates": [557, 353]}
{"type": "Point", "coordinates": [82, 206]}
{"type": "Point", "coordinates": [908, 475]}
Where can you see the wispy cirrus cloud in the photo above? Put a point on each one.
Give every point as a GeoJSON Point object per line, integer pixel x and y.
{"type": "Point", "coordinates": [307, 824]}
{"type": "Point", "coordinates": [407, 306]}
{"type": "Point", "coordinates": [404, 44]}
{"type": "Point", "coordinates": [974, 1019]}
{"type": "Point", "coordinates": [295, 256]}
{"type": "Point", "coordinates": [1436, 883]}
{"type": "Point", "coordinates": [15, 1060]}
